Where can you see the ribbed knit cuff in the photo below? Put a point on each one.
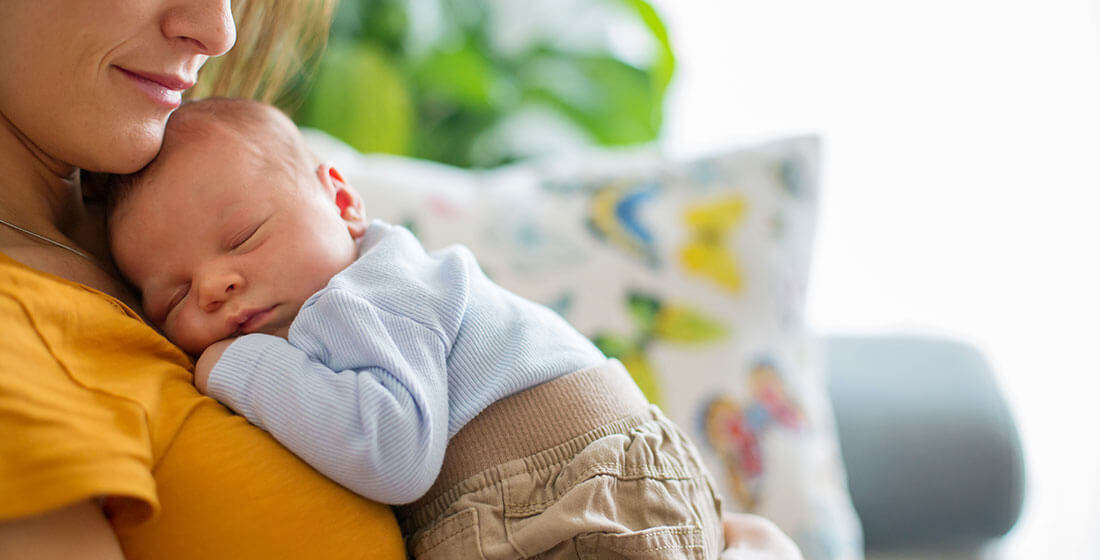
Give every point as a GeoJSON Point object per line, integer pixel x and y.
{"type": "Point", "coordinates": [234, 377]}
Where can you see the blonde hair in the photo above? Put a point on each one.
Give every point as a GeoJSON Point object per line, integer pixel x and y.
{"type": "Point", "coordinates": [277, 41]}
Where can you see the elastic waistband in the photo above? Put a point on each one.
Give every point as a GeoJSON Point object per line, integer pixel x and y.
{"type": "Point", "coordinates": [536, 419]}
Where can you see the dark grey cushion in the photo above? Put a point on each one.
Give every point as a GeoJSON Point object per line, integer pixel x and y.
{"type": "Point", "coordinates": [932, 453]}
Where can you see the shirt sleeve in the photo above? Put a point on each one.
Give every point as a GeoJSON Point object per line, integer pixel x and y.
{"type": "Point", "coordinates": [61, 441]}
{"type": "Point", "coordinates": [360, 389]}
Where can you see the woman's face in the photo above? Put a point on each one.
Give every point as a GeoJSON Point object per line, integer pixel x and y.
{"type": "Point", "coordinates": [91, 83]}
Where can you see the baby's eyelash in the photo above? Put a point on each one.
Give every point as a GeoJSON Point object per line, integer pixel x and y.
{"type": "Point", "coordinates": [244, 236]}
{"type": "Point", "coordinates": [177, 297]}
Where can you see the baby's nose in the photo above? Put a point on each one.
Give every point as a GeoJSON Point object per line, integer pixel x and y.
{"type": "Point", "coordinates": [217, 289]}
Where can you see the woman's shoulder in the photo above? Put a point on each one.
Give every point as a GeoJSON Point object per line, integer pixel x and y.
{"type": "Point", "coordinates": [105, 408]}
{"type": "Point", "coordinates": [240, 494]}
{"type": "Point", "coordinates": [85, 416]}
{"type": "Point", "coordinates": [27, 284]}
{"type": "Point", "coordinates": [83, 336]}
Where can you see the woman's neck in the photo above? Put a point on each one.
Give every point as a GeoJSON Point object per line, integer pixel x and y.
{"type": "Point", "coordinates": [38, 192]}
{"type": "Point", "coordinates": [42, 194]}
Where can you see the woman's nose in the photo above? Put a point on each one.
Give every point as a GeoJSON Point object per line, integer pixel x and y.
{"type": "Point", "coordinates": [216, 288]}
{"type": "Point", "coordinates": [206, 23]}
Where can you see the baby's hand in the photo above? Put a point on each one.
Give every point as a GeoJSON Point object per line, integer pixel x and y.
{"type": "Point", "coordinates": [749, 537]}
{"type": "Point", "coordinates": [206, 362]}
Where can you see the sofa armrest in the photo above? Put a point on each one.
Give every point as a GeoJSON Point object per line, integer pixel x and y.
{"type": "Point", "coordinates": [932, 454]}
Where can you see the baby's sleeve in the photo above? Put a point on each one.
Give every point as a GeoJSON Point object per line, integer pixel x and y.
{"type": "Point", "coordinates": [360, 388]}
{"type": "Point", "coordinates": [62, 442]}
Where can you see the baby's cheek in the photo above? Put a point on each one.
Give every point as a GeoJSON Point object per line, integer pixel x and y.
{"type": "Point", "coordinates": [282, 332]}
{"type": "Point", "coordinates": [187, 335]}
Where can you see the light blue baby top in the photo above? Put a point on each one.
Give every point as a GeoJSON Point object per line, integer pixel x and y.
{"type": "Point", "coordinates": [386, 363]}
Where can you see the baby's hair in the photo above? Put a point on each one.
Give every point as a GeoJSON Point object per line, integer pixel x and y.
{"type": "Point", "coordinates": [272, 135]}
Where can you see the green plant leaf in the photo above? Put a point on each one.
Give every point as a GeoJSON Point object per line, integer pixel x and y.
{"type": "Point", "coordinates": [613, 101]}
{"type": "Point", "coordinates": [664, 63]}
{"type": "Point", "coordinates": [360, 97]}
{"type": "Point", "coordinates": [428, 79]}
{"type": "Point", "coordinates": [463, 76]}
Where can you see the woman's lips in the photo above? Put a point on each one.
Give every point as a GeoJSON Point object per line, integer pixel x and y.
{"type": "Point", "coordinates": [161, 89]}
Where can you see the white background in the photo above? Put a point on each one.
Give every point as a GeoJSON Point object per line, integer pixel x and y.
{"type": "Point", "coordinates": [961, 179]}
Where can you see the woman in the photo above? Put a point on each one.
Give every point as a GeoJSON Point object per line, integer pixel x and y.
{"type": "Point", "coordinates": [106, 449]}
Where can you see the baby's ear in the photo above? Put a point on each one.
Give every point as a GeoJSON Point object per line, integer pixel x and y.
{"type": "Point", "coordinates": [346, 198]}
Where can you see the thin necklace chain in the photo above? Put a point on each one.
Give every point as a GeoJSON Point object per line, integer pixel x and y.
{"type": "Point", "coordinates": [30, 233]}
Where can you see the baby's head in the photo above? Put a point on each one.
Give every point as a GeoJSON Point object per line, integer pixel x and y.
{"type": "Point", "coordinates": [233, 225]}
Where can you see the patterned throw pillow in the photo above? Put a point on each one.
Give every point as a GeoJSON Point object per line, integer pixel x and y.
{"type": "Point", "coordinates": [692, 274]}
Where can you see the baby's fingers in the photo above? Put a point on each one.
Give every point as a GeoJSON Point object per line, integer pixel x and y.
{"type": "Point", "coordinates": [751, 537]}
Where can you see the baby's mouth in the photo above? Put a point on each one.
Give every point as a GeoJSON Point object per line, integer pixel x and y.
{"type": "Point", "coordinates": [252, 320]}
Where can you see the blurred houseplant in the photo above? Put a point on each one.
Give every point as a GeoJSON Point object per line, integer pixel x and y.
{"type": "Point", "coordinates": [478, 83]}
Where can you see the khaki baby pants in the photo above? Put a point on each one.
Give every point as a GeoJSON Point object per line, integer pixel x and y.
{"type": "Point", "coordinates": [578, 467]}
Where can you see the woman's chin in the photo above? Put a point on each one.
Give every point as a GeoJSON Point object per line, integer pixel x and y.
{"type": "Point", "coordinates": [130, 153]}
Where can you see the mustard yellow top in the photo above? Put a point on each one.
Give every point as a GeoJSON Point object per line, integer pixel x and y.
{"type": "Point", "coordinates": [96, 404]}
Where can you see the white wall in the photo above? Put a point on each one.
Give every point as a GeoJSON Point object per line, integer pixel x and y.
{"type": "Point", "coordinates": [960, 196]}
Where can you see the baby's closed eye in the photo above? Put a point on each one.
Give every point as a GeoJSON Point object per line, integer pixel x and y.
{"type": "Point", "coordinates": [243, 236]}
{"type": "Point", "coordinates": [159, 306]}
